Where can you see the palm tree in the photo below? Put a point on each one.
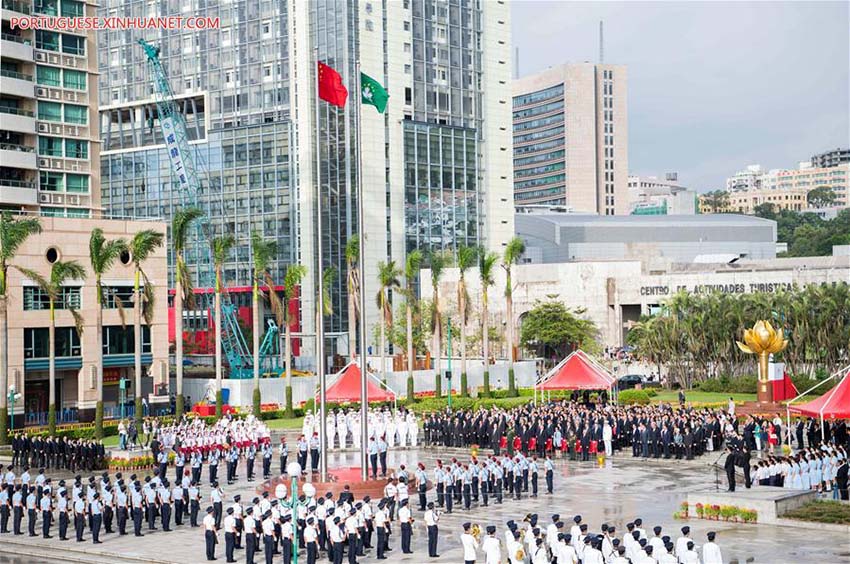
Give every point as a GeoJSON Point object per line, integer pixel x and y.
{"type": "Point", "coordinates": [352, 257]}
{"type": "Point", "coordinates": [438, 261]}
{"type": "Point", "coordinates": [411, 270]}
{"type": "Point", "coordinates": [285, 318]}
{"type": "Point", "coordinates": [13, 233]}
{"type": "Point", "coordinates": [513, 251]}
{"type": "Point", "coordinates": [60, 272]}
{"type": "Point", "coordinates": [263, 252]}
{"type": "Point", "coordinates": [466, 257]}
{"type": "Point", "coordinates": [142, 246]}
{"type": "Point", "coordinates": [388, 274]}
{"type": "Point", "coordinates": [221, 247]}
{"type": "Point", "coordinates": [486, 265]}
{"type": "Point", "coordinates": [183, 292]}
{"type": "Point", "coordinates": [102, 254]}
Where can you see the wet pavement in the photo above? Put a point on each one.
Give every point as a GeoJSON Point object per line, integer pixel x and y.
{"type": "Point", "coordinates": [624, 489]}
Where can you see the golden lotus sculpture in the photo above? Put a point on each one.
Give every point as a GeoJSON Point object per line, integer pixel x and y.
{"type": "Point", "coordinates": [763, 340]}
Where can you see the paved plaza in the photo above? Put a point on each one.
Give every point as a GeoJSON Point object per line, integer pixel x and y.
{"type": "Point", "coordinates": [624, 489]}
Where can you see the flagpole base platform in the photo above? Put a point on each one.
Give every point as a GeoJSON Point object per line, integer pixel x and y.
{"type": "Point", "coordinates": [338, 478]}
{"type": "Point", "coordinates": [760, 408]}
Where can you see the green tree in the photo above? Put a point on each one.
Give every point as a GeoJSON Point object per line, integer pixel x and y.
{"type": "Point", "coordinates": [295, 273]}
{"type": "Point", "coordinates": [766, 210]}
{"type": "Point", "coordinates": [821, 197]}
{"type": "Point", "coordinates": [513, 251]}
{"type": "Point", "coordinates": [220, 247]}
{"type": "Point", "coordinates": [411, 270]}
{"type": "Point", "coordinates": [183, 291]}
{"type": "Point", "coordinates": [262, 253]}
{"type": "Point", "coordinates": [141, 247]}
{"type": "Point", "coordinates": [352, 258]}
{"type": "Point", "coordinates": [438, 261]}
{"type": "Point", "coordinates": [551, 327]}
{"type": "Point", "coordinates": [388, 274]}
{"type": "Point", "coordinates": [60, 273]}
{"type": "Point", "coordinates": [486, 267]}
{"type": "Point", "coordinates": [466, 259]}
{"type": "Point", "coordinates": [102, 255]}
{"type": "Point", "coordinates": [13, 233]}
{"type": "Point", "coordinates": [717, 201]}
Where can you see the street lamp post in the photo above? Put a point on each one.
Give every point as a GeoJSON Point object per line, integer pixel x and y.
{"type": "Point", "coordinates": [282, 492]}
{"type": "Point", "coordinates": [12, 397]}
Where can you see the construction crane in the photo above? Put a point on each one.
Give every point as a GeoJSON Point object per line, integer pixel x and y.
{"type": "Point", "coordinates": [173, 125]}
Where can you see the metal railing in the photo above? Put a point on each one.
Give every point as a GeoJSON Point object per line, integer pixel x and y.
{"type": "Point", "coordinates": [15, 74]}
{"type": "Point", "coordinates": [15, 38]}
{"type": "Point", "coordinates": [13, 147]}
{"type": "Point", "coordinates": [17, 183]}
{"type": "Point", "coordinates": [16, 111]}
{"type": "Point", "coordinates": [66, 415]}
{"type": "Point", "coordinates": [17, 6]}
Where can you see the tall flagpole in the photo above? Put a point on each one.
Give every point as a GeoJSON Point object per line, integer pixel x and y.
{"type": "Point", "coordinates": [320, 300]}
{"type": "Point", "coordinates": [364, 375]}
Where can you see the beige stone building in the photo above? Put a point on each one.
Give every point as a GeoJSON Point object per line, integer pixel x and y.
{"type": "Point", "coordinates": [745, 202]}
{"type": "Point", "coordinates": [570, 126]}
{"type": "Point", "coordinates": [67, 239]}
{"type": "Point", "coordinates": [49, 137]}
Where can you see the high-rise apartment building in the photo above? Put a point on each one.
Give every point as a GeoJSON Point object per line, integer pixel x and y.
{"type": "Point", "coordinates": [570, 134]}
{"type": "Point", "coordinates": [49, 149]}
{"type": "Point", "coordinates": [802, 179]}
{"type": "Point", "coordinates": [831, 158]}
{"type": "Point", "coordinates": [434, 169]}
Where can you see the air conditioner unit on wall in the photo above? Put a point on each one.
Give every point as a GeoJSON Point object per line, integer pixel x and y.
{"type": "Point", "coordinates": [40, 57]}
{"type": "Point", "coordinates": [44, 198]}
{"type": "Point", "coordinates": [41, 91]}
{"type": "Point", "coordinates": [44, 128]}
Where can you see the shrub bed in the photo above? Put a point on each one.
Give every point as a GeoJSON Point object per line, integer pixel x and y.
{"type": "Point", "coordinates": [632, 397]}
{"type": "Point", "coordinates": [825, 511]}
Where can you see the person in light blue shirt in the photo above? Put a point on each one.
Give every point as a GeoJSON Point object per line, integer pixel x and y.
{"type": "Point", "coordinates": [549, 467]}
{"type": "Point", "coordinates": [46, 516]}
{"type": "Point", "coordinates": [17, 510]}
{"type": "Point", "coordinates": [421, 485]}
{"type": "Point", "coordinates": [164, 499]}
{"type": "Point", "coordinates": [179, 463]}
{"type": "Point", "coordinates": [150, 498]}
{"type": "Point", "coordinates": [32, 507]}
{"type": "Point", "coordinates": [372, 448]}
{"type": "Point", "coordinates": [121, 510]}
{"type": "Point", "coordinates": [137, 501]}
{"type": "Point", "coordinates": [96, 512]}
{"type": "Point", "coordinates": [382, 455]}
{"type": "Point", "coordinates": [4, 510]}
{"type": "Point", "coordinates": [62, 508]}
{"type": "Point", "coordinates": [533, 469]}
{"type": "Point", "coordinates": [79, 518]}
{"type": "Point", "coordinates": [484, 482]}
{"type": "Point", "coordinates": [498, 477]}
{"type": "Point", "coordinates": [216, 496]}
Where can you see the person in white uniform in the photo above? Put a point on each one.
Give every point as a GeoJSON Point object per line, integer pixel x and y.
{"type": "Point", "coordinates": [710, 551]}
{"type": "Point", "coordinates": [491, 547]}
{"type": "Point", "coordinates": [470, 545]}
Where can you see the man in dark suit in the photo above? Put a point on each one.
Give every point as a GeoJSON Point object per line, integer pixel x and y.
{"type": "Point", "coordinates": [798, 433]}
{"type": "Point", "coordinates": [729, 466]}
{"type": "Point", "coordinates": [841, 480]}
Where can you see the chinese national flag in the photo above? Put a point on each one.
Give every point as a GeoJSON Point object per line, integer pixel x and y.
{"type": "Point", "coordinates": [331, 88]}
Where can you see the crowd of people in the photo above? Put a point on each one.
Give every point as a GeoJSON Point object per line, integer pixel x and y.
{"type": "Point", "coordinates": [398, 428]}
{"type": "Point", "coordinates": [57, 453]}
{"type": "Point", "coordinates": [581, 430]}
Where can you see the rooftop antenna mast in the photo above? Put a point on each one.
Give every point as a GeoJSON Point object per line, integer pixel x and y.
{"type": "Point", "coordinates": [601, 44]}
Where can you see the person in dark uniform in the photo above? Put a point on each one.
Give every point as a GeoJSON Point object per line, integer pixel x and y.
{"type": "Point", "coordinates": [729, 466]}
{"type": "Point", "coordinates": [841, 475]}
{"type": "Point", "coordinates": [744, 462]}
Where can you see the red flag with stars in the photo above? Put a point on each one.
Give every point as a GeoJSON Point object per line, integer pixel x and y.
{"type": "Point", "coordinates": [331, 88]}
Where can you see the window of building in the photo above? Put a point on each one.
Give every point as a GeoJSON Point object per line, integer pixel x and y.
{"type": "Point", "coordinates": [50, 146]}
{"type": "Point", "coordinates": [35, 299]}
{"type": "Point", "coordinates": [77, 183]}
{"type": "Point", "coordinates": [49, 111]}
{"type": "Point", "coordinates": [113, 295]}
{"type": "Point", "coordinates": [47, 7]}
{"type": "Point", "coordinates": [48, 40]}
{"type": "Point", "coordinates": [369, 25]}
{"type": "Point", "coordinates": [72, 9]}
{"type": "Point", "coordinates": [267, 28]}
{"type": "Point", "coordinates": [48, 76]}
{"type": "Point", "coordinates": [73, 79]}
{"type": "Point", "coordinates": [73, 44]}
{"type": "Point", "coordinates": [37, 342]}
{"type": "Point", "coordinates": [120, 340]}
{"type": "Point", "coordinates": [76, 114]}
{"type": "Point", "coordinates": [50, 181]}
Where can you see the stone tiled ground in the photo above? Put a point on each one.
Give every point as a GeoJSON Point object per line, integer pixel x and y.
{"type": "Point", "coordinates": [624, 489]}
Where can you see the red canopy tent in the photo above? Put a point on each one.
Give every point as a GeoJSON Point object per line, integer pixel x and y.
{"type": "Point", "coordinates": [346, 387]}
{"type": "Point", "coordinates": [834, 403]}
{"type": "Point", "coordinates": [577, 372]}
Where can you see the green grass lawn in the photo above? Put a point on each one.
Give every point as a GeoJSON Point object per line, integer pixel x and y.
{"type": "Point", "coordinates": [822, 512]}
{"type": "Point", "coordinates": [280, 424]}
{"type": "Point", "coordinates": [696, 396]}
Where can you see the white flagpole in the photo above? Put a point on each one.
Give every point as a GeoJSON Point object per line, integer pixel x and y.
{"type": "Point", "coordinates": [320, 301]}
{"type": "Point", "coordinates": [364, 404]}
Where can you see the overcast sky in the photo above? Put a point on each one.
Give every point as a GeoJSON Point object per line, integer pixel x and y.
{"type": "Point", "coordinates": [713, 86]}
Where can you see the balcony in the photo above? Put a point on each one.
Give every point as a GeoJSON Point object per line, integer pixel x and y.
{"type": "Point", "coordinates": [16, 8]}
{"type": "Point", "coordinates": [17, 120]}
{"type": "Point", "coordinates": [17, 156]}
{"type": "Point", "coordinates": [16, 47]}
{"type": "Point", "coordinates": [17, 84]}
{"type": "Point", "coordinates": [18, 193]}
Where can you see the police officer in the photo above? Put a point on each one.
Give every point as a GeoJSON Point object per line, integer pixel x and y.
{"type": "Point", "coordinates": [32, 508]}
{"type": "Point", "coordinates": [177, 494]}
{"type": "Point", "coordinates": [229, 535]}
{"type": "Point", "coordinates": [210, 536]}
{"type": "Point", "coordinates": [63, 507]}
{"type": "Point", "coordinates": [549, 467]}
{"type": "Point", "coordinates": [46, 515]}
{"type": "Point", "coordinates": [250, 535]}
{"type": "Point", "coordinates": [194, 504]}
{"type": "Point", "coordinates": [421, 485]}
{"type": "Point", "coordinates": [432, 518]}
{"type": "Point", "coordinates": [267, 461]}
{"type": "Point", "coordinates": [121, 504]}
{"type": "Point", "coordinates": [164, 500]}
{"type": "Point", "coordinates": [406, 527]}
{"type": "Point", "coordinates": [96, 511]}
{"type": "Point", "coordinates": [17, 510]}
{"type": "Point", "coordinates": [373, 457]}
{"type": "Point", "coordinates": [5, 510]}
{"type": "Point", "coordinates": [137, 501]}
{"type": "Point", "coordinates": [79, 517]}
{"type": "Point", "coordinates": [250, 456]}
